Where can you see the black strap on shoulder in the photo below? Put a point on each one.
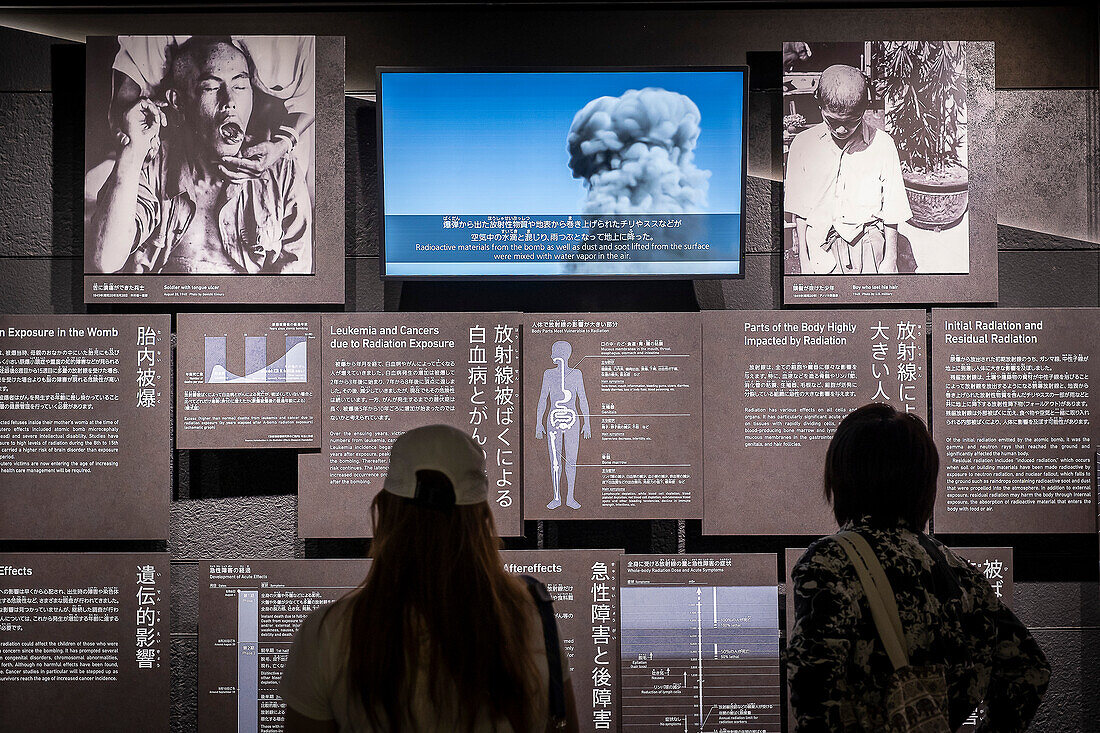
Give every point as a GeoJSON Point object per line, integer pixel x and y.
{"type": "Point", "coordinates": [946, 585]}
{"type": "Point", "coordinates": [553, 648]}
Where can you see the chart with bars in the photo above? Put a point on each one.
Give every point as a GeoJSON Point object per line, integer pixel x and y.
{"type": "Point", "coordinates": [288, 367]}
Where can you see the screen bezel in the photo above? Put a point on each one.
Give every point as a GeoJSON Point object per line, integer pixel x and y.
{"type": "Point", "coordinates": [382, 259]}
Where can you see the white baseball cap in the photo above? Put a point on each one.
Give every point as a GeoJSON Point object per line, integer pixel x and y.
{"type": "Point", "coordinates": [438, 448]}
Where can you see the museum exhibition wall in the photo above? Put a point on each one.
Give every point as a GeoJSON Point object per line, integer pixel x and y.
{"type": "Point", "coordinates": [453, 215]}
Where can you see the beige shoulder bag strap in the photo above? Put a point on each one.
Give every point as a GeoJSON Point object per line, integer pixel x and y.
{"type": "Point", "coordinates": [880, 595]}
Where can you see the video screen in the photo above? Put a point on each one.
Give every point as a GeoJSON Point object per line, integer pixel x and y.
{"type": "Point", "coordinates": [600, 173]}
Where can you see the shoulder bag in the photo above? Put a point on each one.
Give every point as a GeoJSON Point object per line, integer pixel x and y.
{"type": "Point", "coordinates": [916, 697]}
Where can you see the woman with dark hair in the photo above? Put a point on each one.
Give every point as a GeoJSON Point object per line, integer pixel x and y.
{"type": "Point", "coordinates": [880, 475]}
{"type": "Point", "coordinates": [438, 637]}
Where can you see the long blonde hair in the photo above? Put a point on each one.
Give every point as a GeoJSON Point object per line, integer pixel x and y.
{"type": "Point", "coordinates": [437, 582]}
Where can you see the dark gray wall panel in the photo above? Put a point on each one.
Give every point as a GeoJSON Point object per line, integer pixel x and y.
{"type": "Point", "coordinates": [364, 291]}
{"type": "Point", "coordinates": [1058, 604]}
{"type": "Point", "coordinates": [26, 61]}
{"type": "Point", "coordinates": [184, 656]}
{"type": "Point", "coordinates": [1012, 238]}
{"type": "Point", "coordinates": [1046, 279]}
{"type": "Point", "coordinates": [26, 184]}
{"type": "Point", "coordinates": [1072, 702]}
{"type": "Point", "coordinates": [763, 215]}
{"type": "Point", "coordinates": [185, 597]}
{"type": "Point", "coordinates": [1045, 46]}
{"type": "Point", "coordinates": [759, 290]}
{"type": "Point", "coordinates": [360, 178]}
{"type": "Point", "coordinates": [260, 526]}
{"type": "Point", "coordinates": [764, 152]}
{"type": "Point", "coordinates": [31, 285]}
{"type": "Point", "coordinates": [1048, 144]}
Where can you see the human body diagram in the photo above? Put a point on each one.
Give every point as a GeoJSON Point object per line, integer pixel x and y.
{"type": "Point", "coordinates": [566, 421]}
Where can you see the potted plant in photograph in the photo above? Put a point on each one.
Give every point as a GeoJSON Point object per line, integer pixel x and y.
{"type": "Point", "coordinates": [923, 84]}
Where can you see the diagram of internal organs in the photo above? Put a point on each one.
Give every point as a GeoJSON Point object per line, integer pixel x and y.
{"type": "Point", "coordinates": [567, 419]}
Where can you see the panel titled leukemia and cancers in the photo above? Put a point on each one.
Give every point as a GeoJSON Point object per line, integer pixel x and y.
{"type": "Point", "coordinates": [386, 373]}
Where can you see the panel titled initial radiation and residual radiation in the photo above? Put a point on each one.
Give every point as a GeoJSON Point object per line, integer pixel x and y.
{"type": "Point", "coordinates": [699, 643]}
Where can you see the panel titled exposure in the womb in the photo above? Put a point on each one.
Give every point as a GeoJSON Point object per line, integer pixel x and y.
{"type": "Point", "coordinates": [85, 431]}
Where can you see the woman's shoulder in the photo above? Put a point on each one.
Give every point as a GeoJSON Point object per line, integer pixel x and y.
{"type": "Point", "coordinates": [328, 621]}
{"type": "Point", "coordinates": [823, 556]}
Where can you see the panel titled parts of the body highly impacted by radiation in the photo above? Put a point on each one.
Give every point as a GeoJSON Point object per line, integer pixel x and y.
{"type": "Point", "coordinates": [700, 643]}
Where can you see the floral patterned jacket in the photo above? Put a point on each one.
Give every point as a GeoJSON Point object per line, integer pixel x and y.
{"type": "Point", "coordinates": [838, 669]}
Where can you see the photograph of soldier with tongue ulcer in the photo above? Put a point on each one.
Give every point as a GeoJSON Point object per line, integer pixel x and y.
{"type": "Point", "coordinates": [206, 163]}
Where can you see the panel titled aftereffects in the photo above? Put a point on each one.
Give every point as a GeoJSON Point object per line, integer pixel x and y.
{"type": "Point", "coordinates": [612, 415]}
{"type": "Point", "coordinates": [584, 585]}
{"type": "Point", "coordinates": [777, 384]}
{"type": "Point", "coordinates": [700, 643]}
{"type": "Point", "coordinates": [386, 373]}
{"type": "Point", "coordinates": [85, 434]}
{"type": "Point", "coordinates": [1014, 406]}
{"type": "Point", "coordinates": [248, 380]}
{"type": "Point", "coordinates": [83, 642]}
{"type": "Point", "coordinates": [249, 612]}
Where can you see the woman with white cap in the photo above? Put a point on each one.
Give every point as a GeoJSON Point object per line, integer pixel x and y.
{"type": "Point", "coordinates": [438, 637]}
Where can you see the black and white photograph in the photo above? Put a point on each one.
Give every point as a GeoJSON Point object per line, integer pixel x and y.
{"type": "Point", "coordinates": [199, 155]}
{"type": "Point", "coordinates": [875, 158]}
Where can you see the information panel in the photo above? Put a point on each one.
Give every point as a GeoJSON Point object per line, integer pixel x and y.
{"type": "Point", "coordinates": [585, 587]}
{"type": "Point", "coordinates": [249, 611]}
{"type": "Point", "coordinates": [994, 562]}
{"type": "Point", "coordinates": [386, 373]}
{"type": "Point", "coordinates": [700, 643]}
{"type": "Point", "coordinates": [612, 414]}
{"type": "Point", "coordinates": [248, 380]}
{"type": "Point", "coordinates": [1014, 404]}
{"type": "Point", "coordinates": [83, 642]}
{"type": "Point", "coordinates": [85, 431]}
{"type": "Point", "coordinates": [777, 384]}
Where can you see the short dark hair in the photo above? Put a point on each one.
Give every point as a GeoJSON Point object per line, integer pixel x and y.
{"type": "Point", "coordinates": [883, 464]}
{"type": "Point", "coordinates": [188, 55]}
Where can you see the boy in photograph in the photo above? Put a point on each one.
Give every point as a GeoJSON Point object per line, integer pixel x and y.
{"type": "Point", "coordinates": [844, 184]}
{"type": "Point", "coordinates": [170, 206]}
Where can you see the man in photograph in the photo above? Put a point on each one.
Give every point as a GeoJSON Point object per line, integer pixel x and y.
{"type": "Point", "coordinates": [844, 184]}
{"type": "Point", "coordinates": [172, 205]}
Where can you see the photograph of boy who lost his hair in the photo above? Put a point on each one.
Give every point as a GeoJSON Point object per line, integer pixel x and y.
{"type": "Point", "coordinates": [199, 155]}
{"type": "Point", "coordinates": [875, 158]}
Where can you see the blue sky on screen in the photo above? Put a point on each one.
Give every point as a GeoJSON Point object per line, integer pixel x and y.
{"type": "Point", "coordinates": [495, 143]}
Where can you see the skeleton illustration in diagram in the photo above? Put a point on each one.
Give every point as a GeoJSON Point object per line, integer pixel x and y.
{"type": "Point", "coordinates": [564, 387]}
